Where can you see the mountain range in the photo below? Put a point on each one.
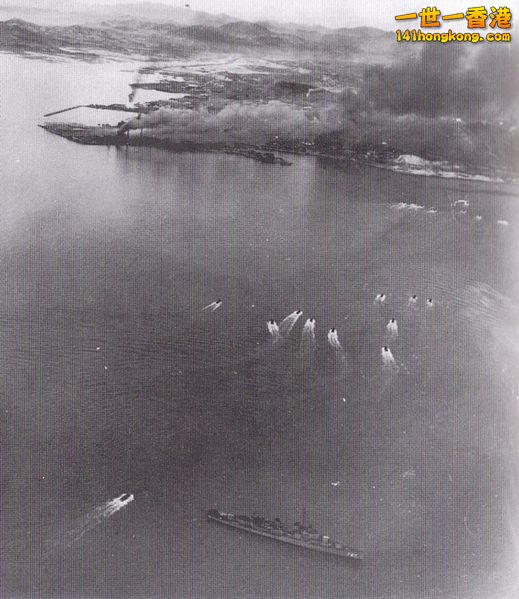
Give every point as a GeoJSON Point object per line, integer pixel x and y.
{"type": "Point", "coordinates": [185, 32]}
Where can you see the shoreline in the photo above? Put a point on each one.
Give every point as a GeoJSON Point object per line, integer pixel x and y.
{"type": "Point", "coordinates": [112, 136]}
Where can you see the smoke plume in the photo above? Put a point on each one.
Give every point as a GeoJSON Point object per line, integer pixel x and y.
{"type": "Point", "coordinates": [473, 83]}
{"type": "Point", "coordinates": [237, 123]}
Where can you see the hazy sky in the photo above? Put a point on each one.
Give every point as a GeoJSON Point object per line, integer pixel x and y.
{"type": "Point", "coordinates": [332, 13]}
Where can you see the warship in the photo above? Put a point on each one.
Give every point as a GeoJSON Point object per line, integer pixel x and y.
{"type": "Point", "coordinates": [299, 535]}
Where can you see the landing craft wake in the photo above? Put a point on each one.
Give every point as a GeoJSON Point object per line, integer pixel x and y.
{"type": "Point", "coordinates": [273, 329]}
{"type": "Point", "coordinates": [213, 306]}
{"type": "Point", "coordinates": [101, 513]}
{"type": "Point", "coordinates": [309, 329]}
{"type": "Point", "coordinates": [388, 360]}
{"type": "Point", "coordinates": [392, 329]}
{"type": "Point", "coordinates": [287, 324]}
{"type": "Point", "coordinates": [333, 340]}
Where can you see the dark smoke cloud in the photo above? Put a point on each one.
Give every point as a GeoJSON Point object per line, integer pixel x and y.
{"type": "Point", "coordinates": [452, 102]}
{"type": "Point", "coordinates": [435, 138]}
{"type": "Point", "coordinates": [475, 83]}
{"type": "Point", "coordinates": [237, 123]}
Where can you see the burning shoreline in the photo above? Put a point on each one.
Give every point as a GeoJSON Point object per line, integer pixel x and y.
{"type": "Point", "coordinates": [107, 135]}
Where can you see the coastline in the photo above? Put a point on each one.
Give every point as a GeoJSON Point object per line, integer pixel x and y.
{"type": "Point", "coordinates": [110, 136]}
{"type": "Point", "coordinates": [272, 154]}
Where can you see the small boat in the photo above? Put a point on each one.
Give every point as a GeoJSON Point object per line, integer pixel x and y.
{"type": "Point", "coordinates": [299, 535]}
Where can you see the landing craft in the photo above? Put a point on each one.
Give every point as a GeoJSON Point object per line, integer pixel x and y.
{"type": "Point", "coordinates": [118, 503]}
{"type": "Point", "coordinates": [213, 306]}
{"type": "Point", "coordinates": [381, 297]}
{"type": "Point", "coordinates": [392, 328]}
{"type": "Point", "coordinates": [309, 327]}
{"type": "Point", "coordinates": [125, 497]}
{"type": "Point", "coordinates": [96, 516]}
{"type": "Point", "coordinates": [273, 329]}
{"type": "Point", "coordinates": [333, 340]}
{"type": "Point", "coordinates": [387, 358]}
{"type": "Point", "coordinates": [430, 302]}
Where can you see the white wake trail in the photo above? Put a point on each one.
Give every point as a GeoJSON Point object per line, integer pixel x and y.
{"type": "Point", "coordinates": [287, 324]}
{"type": "Point", "coordinates": [392, 328]}
{"type": "Point", "coordinates": [333, 340]}
{"type": "Point", "coordinates": [273, 329]}
{"type": "Point", "coordinates": [213, 306]}
{"type": "Point", "coordinates": [97, 516]}
{"type": "Point", "coordinates": [309, 329]}
{"type": "Point", "coordinates": [388, 360]}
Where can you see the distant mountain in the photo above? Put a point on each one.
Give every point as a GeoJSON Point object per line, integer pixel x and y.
{"type": "Point", "coordinates": [18, 35]}
{"type": "Point", "coordinates": [133, 24]}
{"type": "Point", "coordinates": [286, 27]}
{"type": "Point", "coordinates": [203, 33]}
{"type": "Point", "coordinates": [246, 29]}
{"type": "Point", "coordinates": [346, 37]}
{"type": "Point", "coordinates": [365, 41]}
{"type": "Point", "coordinates": [255, 34]}
{"type": "Point", "coordinates": [133, 34]}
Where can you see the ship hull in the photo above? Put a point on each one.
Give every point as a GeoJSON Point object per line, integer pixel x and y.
{"type": "Point", "coordinates": [346, 553]}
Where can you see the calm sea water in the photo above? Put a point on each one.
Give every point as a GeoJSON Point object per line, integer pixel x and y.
{"type": "Point", "coordinates": [114, 381]}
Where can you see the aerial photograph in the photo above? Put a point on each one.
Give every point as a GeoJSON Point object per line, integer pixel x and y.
{"type": "Point", "coordinates": [259, 274]}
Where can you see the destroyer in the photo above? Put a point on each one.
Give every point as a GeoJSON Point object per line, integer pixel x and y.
{"type": "Point", "coordinates": [302, 536]}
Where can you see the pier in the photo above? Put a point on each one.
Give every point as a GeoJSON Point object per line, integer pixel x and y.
{"type": "Point", "coordinates": [63, 110]}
